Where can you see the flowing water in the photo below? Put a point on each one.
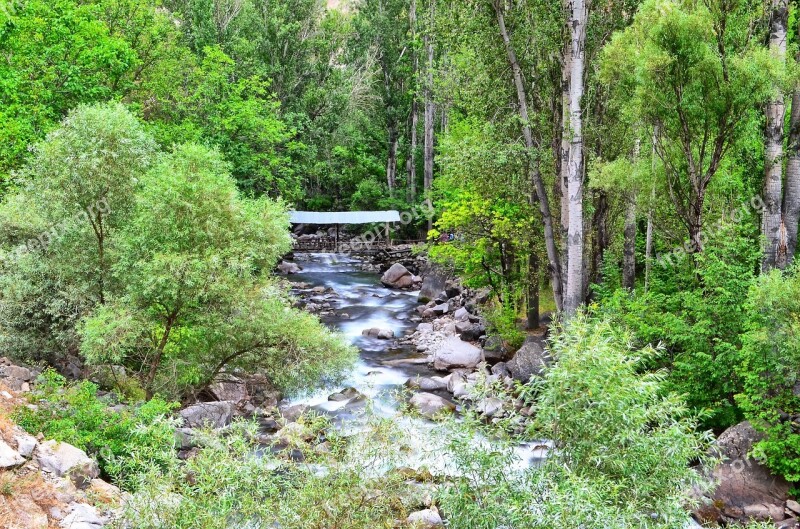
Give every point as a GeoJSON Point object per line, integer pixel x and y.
{"type": "Point", "coordinates": [361, 302]}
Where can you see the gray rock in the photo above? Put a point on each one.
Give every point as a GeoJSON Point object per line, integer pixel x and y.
{"type": "Point", "coordinates": [428, 383]}
{"type": "Point", "coordinates": [433, 282]}
{"type": "Point", "coordinates": [473, 332]}
{"type": "Point", "coordinates": [530, 361]}
{"type": "Point", "coordinates": [345, 395]}
{"type": "Point", "coordinates": [454, 353]}
{"type": "Point", "coordinates": [494, 349]}
{"type": "Point", "coordinates": [208, 414]}
{"type": "Point", "coordinates": [746, 487]}
{"type": "Point", "coordinates": [287, 268]}
{"type": "Point", "coordinates": [82, 517]}
{"type": "Point", "coordinates": [425, 327]}
{"type": "Point", "coordinates": [20, 373]}
{"type": "Point", "coordinates": [26, 444]}
{"type": "Point", "coordinates": [425, 519]}
{"type": "Point", "coordinates": [292, 413]}
{"type": "Point", "coordinates": [461, 314]}
{"type": "Point", "coordinates": [65, 460]}
{"type": "Point", "coordinates": [440, 309]}
{"type": "Point", "coordinates": [452, 288]}
{"type": "Point", "coordinates": [9, 458]}
{"type": "Point", "coordinates": [430, 405]}
{"type": "Point", "coordinates": [397, 276]}
{"type": "Point", "coordinates": [381, 334]}
{"type": "Point", "coordinates": [489, 407]}
{"type": "Point", "coordinates": [185, 438]}
{"type": "Point", "coordinates": [483, 295]}
{"type": "Point", "coordinates": [231, 388]}
{"type": "Point", "coordinates": [501, 369]}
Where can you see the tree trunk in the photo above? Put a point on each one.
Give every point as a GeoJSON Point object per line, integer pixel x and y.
{"type": "Point", "coordinates": [563, 175]}
{"type": "Point", "coordinates": [773, 148]}
{"type": "Point", "coordinates": [629, 247]}
{"type": "Point", "coordinates": [391, 163]}
{"type": "Point", "coordinates": [593, 266]}
{"type": "Point", "coordinates": [791, 197]}
{"type": "Point", "coordinates": [533, 291]}
{"type": "Point", "coordinates": [538, 191]}
{"type": "Point", "coordinates": [429, 109]}
{"type": "Point", "coordinates": [574, 296]}
{"type": "Point", "coordinates": [412, 151]}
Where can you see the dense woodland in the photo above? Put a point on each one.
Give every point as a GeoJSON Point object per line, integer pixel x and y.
{"type": "Point", "coordinates": [626, 172]}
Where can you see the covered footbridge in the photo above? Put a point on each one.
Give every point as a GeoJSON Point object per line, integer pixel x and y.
{"type": "Point", "coordinates": [375, 238]}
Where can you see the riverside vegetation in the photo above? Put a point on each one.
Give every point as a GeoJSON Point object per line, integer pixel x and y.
{"type": "Point", "coordinates": [621, 179]}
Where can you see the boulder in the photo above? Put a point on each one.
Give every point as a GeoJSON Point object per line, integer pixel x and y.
{"type": "Point", "coordinates": [425, 519]}
{"type": "Point", "coordinates": [433, 282]}
{"type": "Point", "coordinates": [381, 334]}
{"type": "Point", "coordinates": [452, 288]}
{"type": "Point", "coordinates": [428, 383]}
{"type": "Point", "coordinates": [489, 407]}
{"type": "Point", "coordinates": [425, 328]}
{"type": "Point", "coordinates": [397, 276]}
{"type": "Point", "coordinates": [105, 492]}
{"type": "Point", "coordinates": [288, 268]}
{"type": "Point", "coordinates": [292, 413]}
{"type": "Point", "coordinates": [500, 368]}
{"type": "Point", "coordinates": [473, 332]}
{"type": "Point", "coordinates": [483, 295]}
{"type": "Point", "coordinates": [461, 314]}
{"type": "Point", "coordinates": [494, 349]}
{"type": "Point", "coordinates": [345, 395]}
{"type": "Point", "coordinates": [230, 389]}
{"type": "Point", "coordinates": [430, 405]}
{"type": "Point", "coordinates": [9, 458]}
{"type": "Point", "coordinates": [26, 444]}
{"type": "Point", "coordinates": [530, 361]}
{"type": "Point", "coordinates": [65, 460]}
{"type": "Point", "coordinates": [455, 353]}
{"type": "Point", "coordinates": [442, 308]}
{"type": "Point", "coordinates": [82, 516]}
{"type": "Point", "coordinates": [746, 490]}
{"type": "Point", "coordinates": [209, 414]}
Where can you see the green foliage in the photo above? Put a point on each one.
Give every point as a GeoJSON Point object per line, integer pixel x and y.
{"type": "Point", "coordinates": [502, 321]}
{"type": "Point", "coordinates": [168, 276]}
{"type": "Point", "coordinates": [196, 299]}
{"type": "Point", "coordinates": [622, 446]}
{"type": "Point", "coordinates": [698, 313]}
{"type": "Point", "coordinates": [769, 359]}
{"type": "Point", "coordinates": [229, 485]}
{"type": "Point", "coordinates": [60, 226]}
{"type": "Point", "coordinates": [125, 443]}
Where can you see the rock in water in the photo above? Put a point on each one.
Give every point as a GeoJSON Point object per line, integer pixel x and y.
{"type": "Point", "coordinates": [397, 276]}
{"type": "Point", "coordinates": [530, 361]}
{"type": "Point", "coordinates": [381, 334]}
{"type": "Point", "coordinates": [288, 268]}
{"type": "Point", "coordinates": [430, 405]}
{"type": "Point", "coordinates": [454, 353]}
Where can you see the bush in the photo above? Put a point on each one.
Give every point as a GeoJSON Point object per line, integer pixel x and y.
{"type": "Point", "coordinates": [623, 447]}
{"type": "Point", "coordinates": [125, 443]}
{"type": "Point", "coordinates": [698, 314]}
{"type": "Point", "coordinates": [769, 359]}
{"type": "Point", "coordinates": [347, 487]}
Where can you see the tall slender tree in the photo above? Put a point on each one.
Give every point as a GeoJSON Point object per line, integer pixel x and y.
{"type": "Point", "coordinates": [578, 16]}
{"type": "Point", "coordinates": [772, 228]}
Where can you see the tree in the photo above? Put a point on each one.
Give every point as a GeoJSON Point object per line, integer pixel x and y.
{"type": "Point", "coordinates": [57, 54]}
{"type": "Point", "coordinates": [60, 226]}
{"type": "Point", "coordinates": [195, 299]}
{"type": "Point", "coordinates": [773, 163]}
{"type": "Point", "coordinates": [695, 73]}
{"type": "Point", "coordinates": [578, 14]}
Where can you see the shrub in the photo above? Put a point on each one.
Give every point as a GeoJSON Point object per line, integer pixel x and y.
{"type": "Point", "coordinates": [769, 359]}
{"type": "Point", "coordinates": [125, 443]}
{"type": "Point", "coordinates": [227, 485]}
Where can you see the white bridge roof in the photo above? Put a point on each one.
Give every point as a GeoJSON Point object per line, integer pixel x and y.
{"type": "Point", "coordinates": [343, 217]}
